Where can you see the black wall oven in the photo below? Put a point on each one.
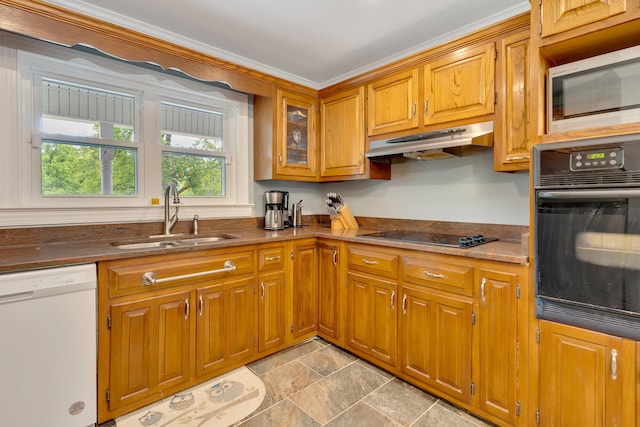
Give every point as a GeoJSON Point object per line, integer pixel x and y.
{"type": "Point", "coordinates": [587, 233]}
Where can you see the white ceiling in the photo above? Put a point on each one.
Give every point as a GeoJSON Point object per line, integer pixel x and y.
{"type": "Point", "coordinates": [315, 43]}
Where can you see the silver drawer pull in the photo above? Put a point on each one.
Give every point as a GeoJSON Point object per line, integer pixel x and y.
{"type": "Point", "coordinates": [272, 258]}
{"type": "Point", "coordinates": [434, 275]}
{"type": "Point", "coordinates": [614, 364]}
{"type": "Point", "coordinates": [393, 300]}
{"type": "Point", "coordinates": [334, 258]}
{"type": "Point", "coordinates": [187, 308]}
{"type": "Point", "coordinates": [149, 278]}
{"type": "Point", "coordinates": [404, 304]}
{"type": "Point", "coordinates": [482, 285]}
{"type": "Point", "coordinates": [201, 302]}
{"type": "Point", "coordinates": [366, 261]}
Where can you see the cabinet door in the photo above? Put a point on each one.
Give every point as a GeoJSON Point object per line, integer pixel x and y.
{"type": "Point", "coordinates": [372, 319]}
{"type": "Point", "coordinates": [296, 143]}
{"type": "Point", "coordinates": [305, 289]}
{"type": "Point", "coordinates": [436, 340]}
{"type": "Point", "coordinates": [225, 325]}
{"type": "Point", "coordinates": [580, 377]}
{"type": "Point", "coordinates": [497, 320]}
{"type": "Point", "coordinates": [328, 290]}
{"type": "Point", "coordinates": [149, 347]}
{"type": "Point", "coordinates": [512, 145]}
{"type": "Point", "coordinates": [563, 15]}
{"type": "Point", "coordinates": [460, 86]}
{"type": "Point", "coordinates": [392, 102]}
{"type": "Point", "coordinates": [271, 311]}
{"type": "Point", "coordinates": [342, 140]}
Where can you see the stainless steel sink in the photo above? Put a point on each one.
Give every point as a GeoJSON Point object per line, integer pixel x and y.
{"type": "Point", "coordinates": [173, 241]}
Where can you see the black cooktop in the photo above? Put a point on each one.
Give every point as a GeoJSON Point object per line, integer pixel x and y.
{"type": "Point", "coordinates": [451, 240]}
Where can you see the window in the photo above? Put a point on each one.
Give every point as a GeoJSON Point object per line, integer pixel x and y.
{"type": "Point", "coordinates": [101, 138]}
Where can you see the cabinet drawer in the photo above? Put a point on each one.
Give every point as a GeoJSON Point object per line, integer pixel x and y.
{"type": "Point", "coordinates": [125, 278]}
{"type": "Point", "coordinates": [437, 274]}
{"type": "Point", "coordinates": [378, 263]}
{"type": "Point", "coordinates": [271, 258]}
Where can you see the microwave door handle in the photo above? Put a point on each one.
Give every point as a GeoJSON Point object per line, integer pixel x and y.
{"type": "Point", "coordinates": [588, 194]}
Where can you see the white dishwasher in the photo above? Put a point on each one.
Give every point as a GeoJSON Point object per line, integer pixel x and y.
{"type": "Point", "coordinates": [48, 347]}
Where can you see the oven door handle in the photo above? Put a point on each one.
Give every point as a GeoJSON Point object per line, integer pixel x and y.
{"type": "Point", "coordinates": [587, 194]}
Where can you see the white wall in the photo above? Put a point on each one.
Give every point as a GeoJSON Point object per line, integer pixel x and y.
{"type": "Point", "coordinates": [462, 189]}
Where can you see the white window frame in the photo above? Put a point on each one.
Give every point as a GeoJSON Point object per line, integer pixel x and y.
{"type": "Point", "coordinates": [23, 60]}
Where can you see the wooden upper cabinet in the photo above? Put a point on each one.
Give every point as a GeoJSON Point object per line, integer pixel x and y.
{"type": "Point", "coordinates": [562, 15]}
{"type": "Point", "coordinates": [342, 134]}
{"type": "Point", "coordinates": [512, 143]}
{"type": "Point", "coordinates": [392, 102]}
{"type": "Point", "coordinates": [296, 149]}
{"type": "Point", "coordinates": [460, 86]}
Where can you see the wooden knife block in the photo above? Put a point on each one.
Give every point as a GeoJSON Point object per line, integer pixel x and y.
{"type": "Point", "coordinates": [345, 219]}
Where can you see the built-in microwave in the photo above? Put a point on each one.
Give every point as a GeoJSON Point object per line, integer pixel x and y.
{"type": "Point", "coordinates": [599, 91]}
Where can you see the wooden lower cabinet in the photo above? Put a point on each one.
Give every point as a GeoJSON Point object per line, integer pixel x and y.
{"type": "Point", "coordinates": [497, 325]}
{"type": "Point", "coordinates": [225, 325]}
{"type": "Point", "coordinates": [586, 378]}
{"type": "Point", "coordinates": [305, 289]}
{"type": "Point", "coordinates": [435, 340]}
{"type": "Point", "coordinates": [329, 290]}
{"type": "Point", "coordinates": [271, 322]}
{"type": "Point", "coordinates": [372, 317]}
{"type": "Point", "coordinates": [150, 347]}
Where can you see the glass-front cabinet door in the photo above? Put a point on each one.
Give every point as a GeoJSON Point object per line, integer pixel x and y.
{"type": "Point", "coordinates": [296, 146]}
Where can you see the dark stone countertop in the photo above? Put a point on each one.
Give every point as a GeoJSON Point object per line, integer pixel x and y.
{"type": "Point", "coordinates": [50, 254]}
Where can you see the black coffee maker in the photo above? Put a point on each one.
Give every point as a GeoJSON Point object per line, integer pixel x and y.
{"type": "Point", "coordinates": [276, 214]}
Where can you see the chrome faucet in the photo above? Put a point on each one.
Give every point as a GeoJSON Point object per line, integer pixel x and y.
{"type": "Point", "coordinates": [169, 222]}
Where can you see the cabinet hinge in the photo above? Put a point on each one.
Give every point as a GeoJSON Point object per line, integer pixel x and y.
{"type": "Point", "coordinates": [292, 328]}
{"type": "Point", "coordinates": [495, 55]}
{"type": "Point", "coordinates": [518, 408]}
{"type": "Point", "coordinates": [495, 98]}
{"type": "Point", "coordinates": [109, 321]}
{"type": "Point", "coordinates": [518, 291]}
{"type": "Point", "coordinates": [473, 318]}
{"type": "Point", "coordinates": [255, 288]}
{"type": "Point", "coordinates": [473, 388]}
{"type": "Point", "coordinates": [108, 395]}
{"type": "Point", "coordinates": [538, 416]}
{"type": "Point", "coordinates": [292, 255]}
{"type": "Point", "coordinates": [538, 335]}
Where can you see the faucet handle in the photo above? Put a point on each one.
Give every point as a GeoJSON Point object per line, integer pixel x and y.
{"type": "Point", "coordinates": [195, 224]}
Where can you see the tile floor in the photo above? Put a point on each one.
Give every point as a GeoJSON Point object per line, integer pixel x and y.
{"type": "Point", "coordinates": [317, 384]}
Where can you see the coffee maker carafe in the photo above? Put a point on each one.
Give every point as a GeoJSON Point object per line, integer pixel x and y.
{"type": "Point", "coordinates": [276, 215]}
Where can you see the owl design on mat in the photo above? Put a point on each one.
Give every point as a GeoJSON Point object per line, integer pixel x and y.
{"type": "Point", "coordinates": [150, 418]}
{"type": "Point", "coordinates": [181, 401]}
{"type": "Point", "coordinates": [225, 391]}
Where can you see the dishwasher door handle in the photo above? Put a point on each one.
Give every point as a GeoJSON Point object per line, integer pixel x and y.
{"type": "Point", "coordinates": [20, 296]}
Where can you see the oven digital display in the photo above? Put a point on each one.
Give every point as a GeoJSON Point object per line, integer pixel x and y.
{"type": "Point", "coordinates": [592, 156]}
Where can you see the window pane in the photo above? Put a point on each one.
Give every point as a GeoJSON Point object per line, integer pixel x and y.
{"type": "Point", "coordinates": [194, 175]}
{"type": "Point", "coordinates": [188, 127]}
{"type": "Point", "coordinates": [87, 170]}
{"type": "Point", "coordinates": [70, 109]}
{"type": "Point", "coordinates": [186, 141]}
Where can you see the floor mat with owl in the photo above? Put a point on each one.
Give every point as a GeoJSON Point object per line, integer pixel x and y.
{"type": "Point", "coordinates": [221, 401]}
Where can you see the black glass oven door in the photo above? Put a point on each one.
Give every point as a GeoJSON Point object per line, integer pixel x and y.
{"type": "Point", "coordinates": [587, 248]}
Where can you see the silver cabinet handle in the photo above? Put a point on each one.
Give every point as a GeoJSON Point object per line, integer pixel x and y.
{"type": "Point", "coordinates": [366, 261]}
{"type": "Point", "coordinates": [360, 160]}
{"type": "Point", "coordinates": [262, 290]}
{"type": "Point", "coordinates": [201, 302]}
{"type": "Point", "coordinates": [149, 278]}
{"type": "Point", "coordinates": [415, 105]}
{"type": "Point", "coordinates": [404, 304]}
{"type": "Point", "coordinates": [334, 258]}
{"type": "Point", "coordinates": [614, 364]}
{"type": "Point", "coordinates": [272, 258]}
{"type": "Point", "coordinates": [426, 106]}
{"type": "Point", "coordinates": [517, 158]}
{"type": "Point", "coordinates": [484, 282]}
{"type": "Point", "coordinates": [434, 275]}
{"type": "Point", "coordinates": [393, 300]}
{"type": "Point", "coordinates": [280, 158]}
{"type": "Point", "coordinates": [186, 308]}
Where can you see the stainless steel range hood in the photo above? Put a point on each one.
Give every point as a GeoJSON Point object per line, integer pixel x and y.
{"type": "Point", "coordinates": [436, 144]}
